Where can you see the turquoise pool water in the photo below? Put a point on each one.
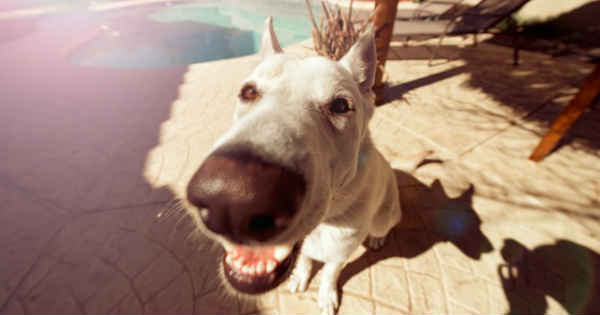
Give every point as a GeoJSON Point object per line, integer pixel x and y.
{"type": "Point", "coordinates": [186, 33]}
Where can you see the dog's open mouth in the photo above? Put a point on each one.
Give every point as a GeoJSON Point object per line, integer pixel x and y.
{"type": "Point", "coordinates": [255, 270]}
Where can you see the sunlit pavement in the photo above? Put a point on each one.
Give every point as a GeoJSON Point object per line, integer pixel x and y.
{"type": "Point", "coordinates": [93, 160]}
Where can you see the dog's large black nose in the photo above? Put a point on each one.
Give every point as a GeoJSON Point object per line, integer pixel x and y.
{"type": "Point", "coordinates": [244, 198]}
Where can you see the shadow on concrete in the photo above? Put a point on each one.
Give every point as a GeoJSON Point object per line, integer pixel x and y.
{"type": "Point", "coordinates": [538, 88]}
{"type": "Point", "coordinates": [571, 33]}
{"type": "Point", "coordinates": [534, 91]}
{"type": "Point", "coordinates": [81, 229]}
{"type": "Point", "coordinates": [565, 271]}
{"type": "Point", "coordinates": [430, 216]}
{"type": "Point", "coordinates": [394, 92]}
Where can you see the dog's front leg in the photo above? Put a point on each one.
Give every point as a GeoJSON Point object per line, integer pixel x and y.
{"type": "Point", "coordinates": [328, 293]}
{"type": "Point", "coordinates": [301, 274]}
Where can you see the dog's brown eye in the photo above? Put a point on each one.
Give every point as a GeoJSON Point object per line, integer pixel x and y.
{"type": "Point", "coordinates": [248, 93]}
{"type": "Point", "coordinates": [339, 106]}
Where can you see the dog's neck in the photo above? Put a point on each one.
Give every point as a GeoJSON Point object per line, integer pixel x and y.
{"type": "Point", "coordinates": [350, 191]}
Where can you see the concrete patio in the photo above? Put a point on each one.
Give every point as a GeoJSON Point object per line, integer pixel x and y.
{"type": "Point", "coordinates": [94, 160]}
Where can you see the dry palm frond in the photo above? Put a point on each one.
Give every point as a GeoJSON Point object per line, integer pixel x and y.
{"type": "Point", "coordinates": [337, 33]}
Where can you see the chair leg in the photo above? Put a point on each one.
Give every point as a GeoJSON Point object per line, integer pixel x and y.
{"type": "Point", "coordinates": [515, 44]}
{"type": "Point", "coordinates": [436, 50]}
{"type": "Point", "coordinates": [584, 98]}
{"type": "Point", "coordinates": [515, 32]}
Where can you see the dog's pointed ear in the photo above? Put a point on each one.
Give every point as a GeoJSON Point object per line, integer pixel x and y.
{"type": "Point", "coordinates": [361, 60]}
{"type": "Point", "coordinates": [270, 44]}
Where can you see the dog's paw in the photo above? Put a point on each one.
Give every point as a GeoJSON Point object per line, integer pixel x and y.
{"type": "Point", "coordinates": [375, 243]}
{"type": "Point", "coordinates": [327, 300]}
{"type": "Point", "coordinates": [298, 282]}
{"type": "Point", "coordinates": [300, 275]}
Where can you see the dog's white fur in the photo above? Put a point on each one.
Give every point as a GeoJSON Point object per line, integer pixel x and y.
{"type": "Point", "coordinates": [351, 189]}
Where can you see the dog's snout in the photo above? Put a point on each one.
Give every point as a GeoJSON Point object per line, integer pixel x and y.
{"type": "Point", "coordinates": [244, 198]}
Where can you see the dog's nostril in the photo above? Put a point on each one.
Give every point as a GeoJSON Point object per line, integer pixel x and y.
{"type": "Point", "coordinates": [262, 223]}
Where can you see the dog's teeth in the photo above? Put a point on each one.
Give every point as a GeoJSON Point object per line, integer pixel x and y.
{"type": "Point", "coordinates": [246, 269]}
{"type": "Point", "coordinates": [271, 266]}
{"type": "Point", "coordinates": [231, 254]}
{"type": "Point", "coordinates": [228, 247]}
{"type": "Point", "coordinates": [238, 263]}
{"type": "Point", "coordinates": [251, 270]}
{"type": "Point", "coordinates": [260, 267]}
{"type": "Point", "coordinates": [228, 259]}
{"type": "Point", "coordinates": [281, 252]}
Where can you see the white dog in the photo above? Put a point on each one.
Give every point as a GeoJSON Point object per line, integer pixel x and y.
{"type": "Point", "coordinates": [297, 177]}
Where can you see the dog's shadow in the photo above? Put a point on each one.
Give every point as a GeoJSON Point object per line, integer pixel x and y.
{"type": "Point", "coordinates": [430, 216]}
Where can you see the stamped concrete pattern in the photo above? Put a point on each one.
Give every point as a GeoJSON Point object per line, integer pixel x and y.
{"type": "Point", "coordinates": [94, 161]}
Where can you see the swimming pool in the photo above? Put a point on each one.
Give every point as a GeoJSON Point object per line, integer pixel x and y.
{"type": "Point", "coordinates": [190, 32]}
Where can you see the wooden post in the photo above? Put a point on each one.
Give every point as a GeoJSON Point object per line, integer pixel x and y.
{"type": "Point", "coordinates": [584, 98]}
{"type": "Point", "coordinates": [385, 14]}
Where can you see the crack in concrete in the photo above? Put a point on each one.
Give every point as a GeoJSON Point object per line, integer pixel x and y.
{"type": "Point", "coordinates": [465, 306]}
{"type": "Point", "coordinates": [29, 271]}
{"type": "Point", "coordinates": [121, 208]}
{"type": "Point", "coordinates": [111, 309]}
{"type": "Point", "coordinates": [134, 290]}
{"type": "Point", "coordinates": [409, 286]}
{"type": "Point", "coordinates": [443, 279]}
{"type": "Point", "coordinates": [41, 280]}
{"type": "Point", "coordinates": [8, 183]}
{"type": "Point", "coordinates": [376, 301]}
{"type": "Point", "coordinates": [146, 266]}
{"type": "Point", "coordinates": [43, 250]}
{"type": "Point", "coordinates": [77, 301]}
{"type": "Point", "coordinates": [164, 287]}
{"type": "Point", "coordinates": [184, 267]}
{"type": "Point", "coordinates": [23, 304]}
